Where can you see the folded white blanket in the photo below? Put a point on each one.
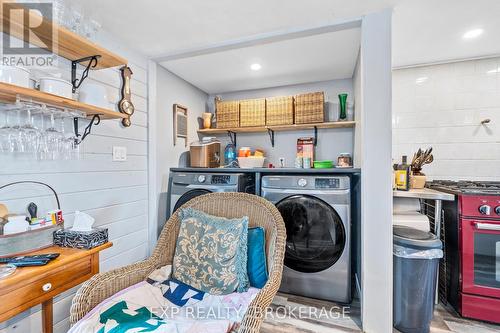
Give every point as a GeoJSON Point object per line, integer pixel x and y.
{"type": "Point", "coordinates": [164, 305]}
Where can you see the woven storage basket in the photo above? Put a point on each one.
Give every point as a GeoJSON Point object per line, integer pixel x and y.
{"type": "Point", "coordinates": [279, 110]}
{"type": "Point", "coordinates": [253, 112]}
{"type": "Point", "coordinates": [309, 108]}
{"type": "Point", "coordinates": [227, 113]}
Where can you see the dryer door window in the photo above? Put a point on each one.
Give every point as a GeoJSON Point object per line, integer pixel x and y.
{"type": "Point", "coordinates": [315, 233]}
{"type": "Point", "coordinates": [188, 196]}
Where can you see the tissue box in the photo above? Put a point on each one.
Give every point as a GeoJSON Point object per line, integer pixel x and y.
{"type": "Point", "coordinates": [81, 239]}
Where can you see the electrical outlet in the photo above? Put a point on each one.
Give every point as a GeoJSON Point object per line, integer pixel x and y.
{"type": "Point", "coordinates": [119, 154]}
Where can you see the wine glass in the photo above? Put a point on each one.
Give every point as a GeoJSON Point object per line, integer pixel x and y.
{"type": "Point", "coordinates": [5, 143]}
{"type": "Point", "coordinates": [53, 137]}
{"type": "Point", "coordinates": [31, 133]}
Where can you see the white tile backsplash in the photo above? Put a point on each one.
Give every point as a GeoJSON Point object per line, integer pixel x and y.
{"type": "Point", "coordinates": [442, 106]}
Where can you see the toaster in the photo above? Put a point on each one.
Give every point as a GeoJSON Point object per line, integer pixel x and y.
{"type": "Point", "coordinates": [205, 154]}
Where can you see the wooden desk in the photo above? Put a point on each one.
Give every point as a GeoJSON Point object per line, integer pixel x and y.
{"type": "Point", "coordinates": [30, 286]}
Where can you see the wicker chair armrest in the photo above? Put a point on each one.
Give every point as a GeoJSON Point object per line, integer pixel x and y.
{"type": "Point", "coordinates": [103, 285]}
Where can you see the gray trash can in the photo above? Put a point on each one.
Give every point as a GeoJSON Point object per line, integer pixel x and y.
{"type": "Point", "coordinates": [416, 261]}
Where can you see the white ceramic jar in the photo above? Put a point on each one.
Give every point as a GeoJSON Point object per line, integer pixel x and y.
{"type": "Point", "coordinates": [15, 75]}
{"type": "Point", "coordinates": [56, 86]}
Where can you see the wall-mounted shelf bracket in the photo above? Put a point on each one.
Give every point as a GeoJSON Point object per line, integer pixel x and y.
{"type": "Point", "coordinates": [92, 63]}
{"type": "Point", "coordinates": [315, 136]}
{"type": "Point", "coordinates": [96, 120]}
{"type": "Point", "coordinates": [271, 136]}
{"type": "Point", "coordinates": [232, 136]}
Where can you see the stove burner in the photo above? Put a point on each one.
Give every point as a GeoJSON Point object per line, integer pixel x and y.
{"type": "Point", "coordinates": [467, 187]}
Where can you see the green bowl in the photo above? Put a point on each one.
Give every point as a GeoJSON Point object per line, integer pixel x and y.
{"type": "Point", "coordinates": [323, 164]}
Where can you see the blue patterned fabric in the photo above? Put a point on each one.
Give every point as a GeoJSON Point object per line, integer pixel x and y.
{"type": "Point", "coordinates": [256, 263]}
{"type": "Point", "coordinates": [180, 293]}
{"type": "Point", "coordinates": [211, 252]}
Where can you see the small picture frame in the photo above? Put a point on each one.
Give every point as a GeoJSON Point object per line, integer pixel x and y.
{"type": "Point", "coordinates": [180, 123]}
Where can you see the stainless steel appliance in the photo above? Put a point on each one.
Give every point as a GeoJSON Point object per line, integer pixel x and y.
{"type": "Point", "coordinates": [471, 224]}
{"type": "Point", "coordinates": [316, 210]}
{"type": "Point", "coordinates": [185, 186]}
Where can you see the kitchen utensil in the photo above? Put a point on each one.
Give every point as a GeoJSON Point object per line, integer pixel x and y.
{"type": "Point", "coordinates": [56, 86]}
{"type": "Point", "coordinates": [420, 158]}
{"type": "Point", "coordinates": [327, 164]}
{"type": "Point", "coordinates": [343, 106]}
{"type": "Point", "coordinates": [251, 162]}
{"type": "Point", "coordinates": [15, 75]}
{"type": "Point", "coordinates": [94, 94]}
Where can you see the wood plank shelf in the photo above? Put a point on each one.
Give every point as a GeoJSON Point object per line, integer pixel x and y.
{"type": "Point", "coordinates": [60, 40]}
{"type": "Point", "coordinates": [9, 94]}
{"type": "Point", "coordinates": [279, 128]}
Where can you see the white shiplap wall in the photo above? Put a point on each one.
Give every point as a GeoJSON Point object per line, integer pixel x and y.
{"type": "Point", "coordinates": [114, 193]}
{"type": "Point", "coordinates": [442, 106]}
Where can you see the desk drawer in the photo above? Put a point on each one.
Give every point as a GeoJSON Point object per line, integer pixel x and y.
{"type": "Point", "coordinates": [46, 287]}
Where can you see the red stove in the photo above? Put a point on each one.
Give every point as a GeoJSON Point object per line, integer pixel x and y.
{"type": "Point", "coordinates": [472, 248]}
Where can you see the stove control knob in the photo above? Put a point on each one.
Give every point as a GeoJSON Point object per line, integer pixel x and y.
{"type": "Point", "coordinates": [302, 182]}
{"type": "Point", "coordinates": [202, 178]}
{"type": "Point", "coordinates": [497, 210]}
{"type": "Point", "coordinates": [485, 210]}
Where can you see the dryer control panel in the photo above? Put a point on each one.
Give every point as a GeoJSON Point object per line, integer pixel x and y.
{"type": "Point", "coordinates": [322, 183]}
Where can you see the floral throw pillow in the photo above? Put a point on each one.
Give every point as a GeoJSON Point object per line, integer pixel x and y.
{"type": "Point", "coordinates": [211, 252]}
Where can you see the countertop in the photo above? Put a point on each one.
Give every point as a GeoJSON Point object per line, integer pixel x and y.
{"type": "Point", "coordinates": [272, 170]}
{"type": "Point", "coordinates": [424, 193]}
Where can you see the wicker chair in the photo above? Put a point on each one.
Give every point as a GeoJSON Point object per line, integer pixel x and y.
{"type": "Point", "coordinates": [260, 212]}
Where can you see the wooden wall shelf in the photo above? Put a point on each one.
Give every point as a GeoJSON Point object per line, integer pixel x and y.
{"type": "Point", "coordinates": [279, 128]}
{"type": "Point", "coordinates": [63, 42]}
{"type": "Point", "coordinates": [9, 94]}
{"type": "Point", "coordinates": [232, 132]}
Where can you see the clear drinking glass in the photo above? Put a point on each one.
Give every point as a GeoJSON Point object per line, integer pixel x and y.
{"type": "Point", "coordinates": [53, 138]}
{"type": "Point", "coordinates": [5, 143]}
{"type": "Point", "coordinates": [31, 133]}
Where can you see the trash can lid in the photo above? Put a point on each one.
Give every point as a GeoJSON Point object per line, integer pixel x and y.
{"type": "Point", "coordinates": [414, 238]}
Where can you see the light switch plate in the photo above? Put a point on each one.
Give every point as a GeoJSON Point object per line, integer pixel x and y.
{"type": "Point", "coordinates": [119, 154]}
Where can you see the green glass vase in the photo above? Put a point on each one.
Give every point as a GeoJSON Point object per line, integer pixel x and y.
{"type": "Point", "coordinates": [343, 106]}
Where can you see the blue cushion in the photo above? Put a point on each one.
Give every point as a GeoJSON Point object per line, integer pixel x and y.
{"type": "Point", "coordinates": [211, 252]}
{"type": "Point", "coordinates": [256, 263]}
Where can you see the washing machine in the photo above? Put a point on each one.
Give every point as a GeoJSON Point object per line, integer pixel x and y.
{"type": "Point", "coordinates": [185, 186]}
{"type": "Point", "coordinates": [316, 211]}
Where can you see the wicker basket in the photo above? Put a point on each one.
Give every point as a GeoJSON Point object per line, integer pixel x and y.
{"type": "Point", "coordinates": [309, 108]}
{"type": "Point", "coordinates": [279, 110]}
{"type": "Point", "coordinates": [227, 113]}
{"type": "Point", "coordinates": [253, 112]}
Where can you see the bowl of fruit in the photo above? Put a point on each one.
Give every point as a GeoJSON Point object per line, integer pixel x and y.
{"type": "Point", "coordinates": [247, 160]}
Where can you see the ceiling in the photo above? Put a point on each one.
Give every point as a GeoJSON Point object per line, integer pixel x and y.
{"type": "Point", "coordinates": [315, 58]}
{"type": "Point", "coordinates": [430, 31]}
{"type": "Point", "coordinates": [424, 31]}
{"type": "Point", "coordinates": [159, 27]}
